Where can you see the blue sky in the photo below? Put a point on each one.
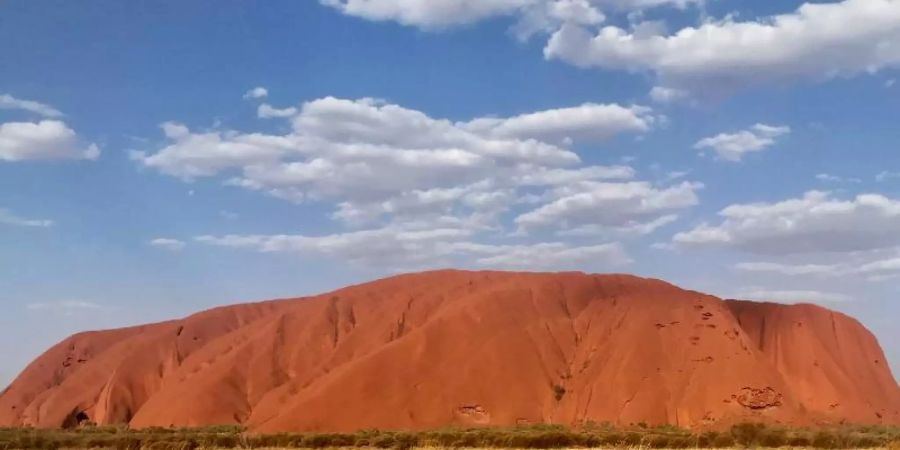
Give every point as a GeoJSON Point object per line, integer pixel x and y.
{"type": "Point", "coordinates": [156, 160]}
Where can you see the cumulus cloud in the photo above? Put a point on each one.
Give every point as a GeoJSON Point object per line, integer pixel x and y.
{"type": "Point", "coordinates": [546, 16]}
{"type": "Point", "coordinates": [375, 159]}
{"type": "Point", "coordinates": [191, 155]}
{"type": "Point", "coordinates": [416, 246]}
{"type": "Point", "coordinates": [587, 122]}
{"type": "Point", "coordinates": [428, 14]}
{"type": "Point", "coordinates": [44, 140]}
{"type": "Point", "coordinates": [789, 269]}
{"type": "Point", "coordinates": [542, 176]}
{"type": "Point", "coordinates": [532, 15]}
{"type": "Point", "coordinates": [870, 267]}
{"type": "Point", "coordinates": [256, 93]}
{"type": "Point", "coordinates": [172, 245]}
{"type": "Point", "coordinates": [391, 245]}
{"type": "Point", "coordinates": [632, 206]}
{"type": "Point", "coordinates": [7, 217]}
{"type": "Point", "coordinates": [414, 190]}
{"type": "Point", "coordinates": [733, 146]}
{"type": "Point", "coordinates": [9, 102]}
{"type": "Point", "coordinates": [553, 255]}
{"type": "Point", "coordinates": [267, 111]}
{"type": "Point", "coordinates": [817, 222]}
{"type": "Point", "coordinates": [661, 94]}
{"type": "Point", "coordinates": [879, 269]}
{"type": "Point", "coordinates": [791, 296]}
{"type": "Point", "coordinates": [817, 41]}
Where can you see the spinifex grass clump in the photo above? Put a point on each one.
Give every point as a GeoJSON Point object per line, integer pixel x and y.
{"type": "Point", "coordinates": [534, 437]}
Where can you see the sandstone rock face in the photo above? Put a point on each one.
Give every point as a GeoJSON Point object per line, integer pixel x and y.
{"type": "Point", "coordinates": [470, 349]}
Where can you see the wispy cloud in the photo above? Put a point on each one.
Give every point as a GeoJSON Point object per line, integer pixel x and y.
{"type": "Point", "coordinates": [173, 245]}
{"type": "Point", "coordinates": [791, 296]}
{"type": "Point", "coordinates": [7, 217]}
{"type": "Point", "coordinates": [829, 178]}
{"type": "Point", "coordinates": [733, 146]}
{"type": "Point", "coordinates": [65, 306]}
{"type": "Point", "coordinates": [9, 102]}
{"type": "Point", "coordinates": [255, 93]}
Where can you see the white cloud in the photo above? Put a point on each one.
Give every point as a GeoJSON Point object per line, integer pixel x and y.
{"type": "Point", "coordinates": [662, 94]}
{"type": "Point", "coordinates": [553, 255]}
{"type": "Point", "coordinates": [733, 146]}
{"type": "Point", "coordinates": [387, 246]}
{"type": "Point", "coordinates": [879, 269]}
{"type": "Point", "coordinates": [64, 306]}
{"type": "Point", "coordinates": [640, 5]}
{"type": "Point", "coordinates": [417, 246]}
{"type": "Point", "coordinates": [791, 296]}
{"type": "Point", "coordinates": [256, 93]}
{"type": "Point", "coordinates": [7, 217]}
{"type": "Point", "coordinates": [481, 201]}
{"type": "Point", "coordinates": [9, 102]}
{"type": "Point", "coordinates": [191, 155]}
{"type": "Point", "coordinates": [44, 140]}
{"type": "Point", "coordinates": [428, 14]}
{"type": "Point", "coordinates": [377, 160]}
{"type": "Point", "coordinates": [816, 222]}
{"type": "Point", "coordinates": [173, 245]}
{"type": "Point", "coordinates": [546, 16]}
{"type": "Point", "coordinates": [414, 190]}
{"type": "Point", "coordinates": [542, 176]}
{"type": "Point", "coordinates": [887, 176]}
{"type": "Point", "coordinates": [829, 178]}
{"type": "Point", "coordinates": [230, 215]}
{"type": "Point", "coordinates": [587, 122]}
{"type": "Point", "coordinates": [817, 41]}
{"type": "Point", "coordinates": [789, 269]}
{"type": "Point", "coordinates": [266, 111]}
{"type": "Point", "coordinates": [630, 229]}
{"type": "Point", "coordinates": [675, 175]}
{"type": "Point", "coordinates": [870, 267]}
{"type": "Point", "coordinates": [617, 206]}
{"type": "Point", "coordinates": [375, 127]}
{"type": "Point", "coordinates": [533, 15]}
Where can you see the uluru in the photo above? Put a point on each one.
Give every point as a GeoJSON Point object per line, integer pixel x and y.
{"type": "Point", "coordinates": [461, 348]}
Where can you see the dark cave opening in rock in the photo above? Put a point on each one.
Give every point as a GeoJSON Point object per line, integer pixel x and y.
{"type": "Point", "coordinates": [77, 419]}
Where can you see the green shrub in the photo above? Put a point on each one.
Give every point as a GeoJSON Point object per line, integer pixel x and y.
{"type": "Point", "coordinates": [825, 439]}
{"type": "Point", "coordinates": [723, 440]}
{"type": "Point", "coordinates": [632, 439]}
{"type": "Point", "coordinates": [657, 441]}
{"type": "Point", "coordinates": [773, 438]}
{"type": "Point", "coordinates": [405, 441]}
{"type": "Point", "coordinates": [682, 442]}
{"type": "Point", "coordinates": [747, 433]}
{"type": "Point", "coordinates": [539, 436]}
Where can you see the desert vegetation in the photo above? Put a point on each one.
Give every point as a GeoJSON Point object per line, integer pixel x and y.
{"type": "Point", "coordinates": [749, 435]}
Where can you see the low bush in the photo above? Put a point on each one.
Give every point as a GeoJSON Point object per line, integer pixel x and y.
{"type": "Point", "coordinates": [523, 437]}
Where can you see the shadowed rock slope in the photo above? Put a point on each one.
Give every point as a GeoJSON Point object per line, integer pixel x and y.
{"type": "Point", "coordinates": [469, 348]}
